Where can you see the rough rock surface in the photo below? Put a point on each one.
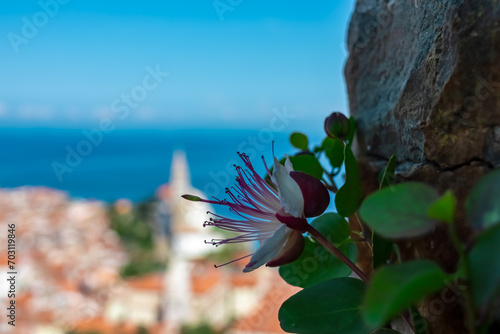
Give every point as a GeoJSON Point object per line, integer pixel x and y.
{"type": "Point", "coordinates": [423, 80]}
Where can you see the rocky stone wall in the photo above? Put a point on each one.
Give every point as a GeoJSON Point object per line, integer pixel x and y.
{"type": "Point", "coordinates": [423, 78]}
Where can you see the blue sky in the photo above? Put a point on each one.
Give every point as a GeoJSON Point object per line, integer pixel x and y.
{"type": "Point", "coordinates": [229, 62]}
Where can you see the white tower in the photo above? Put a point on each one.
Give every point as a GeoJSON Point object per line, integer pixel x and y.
{"type": "Point", "coordinates": [187, 244]}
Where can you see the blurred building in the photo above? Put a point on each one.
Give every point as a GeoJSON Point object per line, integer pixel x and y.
{"type": "Point", "coordinates": [67, 258]}
{"type": "Point", "coordinates": [69, 269]}
{"type": "Point", "coordinates": [197, 292]}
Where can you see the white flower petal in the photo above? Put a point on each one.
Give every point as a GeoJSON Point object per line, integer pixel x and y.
{"type": "Point", "coordinates": [269, 249]}
{"type": "Point", "coordinates": [289, 192]}
{"type": "Point", "coordinates": [288, 165]}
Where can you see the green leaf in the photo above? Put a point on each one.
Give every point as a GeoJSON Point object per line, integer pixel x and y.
{"type": "Point", "coordinates": [349, 195]}
{"type": "Point", "coordinates": [461, 272]}
{"type": "Point", "coordinates": [386, 176]}
{"type": "Point", "coordinates": [395, 288]}
{"type": "Point", "coordinates": [333, 226]}
{"type": "Point", "coordinates": [316, 264]}
{"type": "Point", "coordinates": [334, 151]}
{"type": "Point", "coordinates": [400, 211]}
{"type": "Point", "coordinates": [352, 130]}
{"type": "Point", "coordinates": [485, 267]}
{"type": "Point", "coordinates": [382, 250]}
{"type": "Point", "coordinates": [419, 323]}
{"type": "Point", "coordinates": [329, 307]}
{"type": "Point", "coordinates": [444, 208]}
{"type": "Point", "coordinates": [482, 204]}
{"type": "Point", "coordinates": [299, 140]}
{"type": "Point", "coordinates": [308, 164]}
{"type": "Point", "coordinates": [302, 162]}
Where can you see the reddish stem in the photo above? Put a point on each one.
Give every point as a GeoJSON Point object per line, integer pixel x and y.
{"type": "Point", "coordinates": [328, 245]}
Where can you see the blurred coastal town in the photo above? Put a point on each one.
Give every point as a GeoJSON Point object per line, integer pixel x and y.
{"type": "Point", "coordinates": [85, 266]}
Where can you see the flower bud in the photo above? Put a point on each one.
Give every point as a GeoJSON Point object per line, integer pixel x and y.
{"type": "Point", "coordinates": [192, 198]}
{"type": "Point", "coordinates": [337, 125]}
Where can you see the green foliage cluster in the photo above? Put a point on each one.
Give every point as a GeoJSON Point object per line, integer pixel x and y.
{"type": "Point", "coordinates": [333, 302]}
{"type": "Point", "coordinates": [202, 328]}
{"type": "Point", "coordinates": [136, 233]}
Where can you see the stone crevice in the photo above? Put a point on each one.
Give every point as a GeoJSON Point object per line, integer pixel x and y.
{"type": "Point", "coordinates": [471, 162]}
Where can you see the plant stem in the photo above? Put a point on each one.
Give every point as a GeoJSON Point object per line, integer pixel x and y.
{"type": "Point", "coordinates": [358, 227]}
{"type": "Point", "coordinates": [471, 314]}
{"type": "Point", "coordinates": [334, 250]}
{"type": "Point", "coordinates": [331, 186]}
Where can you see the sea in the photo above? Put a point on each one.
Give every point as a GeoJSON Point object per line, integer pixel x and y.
{"type": "Point", "coordinates": [129, 163]}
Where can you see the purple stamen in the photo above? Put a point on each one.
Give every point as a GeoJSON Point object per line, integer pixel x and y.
{"type": "Point", "coordinates": [254, 201]}
{"type": "Point", "coordinates": [241, 258]}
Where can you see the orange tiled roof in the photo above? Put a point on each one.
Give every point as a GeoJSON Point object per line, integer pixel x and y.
{"type": "Point", "coordinates": [67, 245]}
{"type": "Point", "coordinates": [243, 279]}
{"type": "Point", "coordinates": [265, 318]}
{"type": "Point", "coordinates": [204, 277]}
{"type": "Point", "coordinates": [154, 281]}
{"type": "Point", "coordinates": [4, 260]}
{"type": "Point", "coordinates": [101, 326]}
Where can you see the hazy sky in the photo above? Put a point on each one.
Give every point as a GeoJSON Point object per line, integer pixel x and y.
{"type": "Point", "coordinates": [71, 63]}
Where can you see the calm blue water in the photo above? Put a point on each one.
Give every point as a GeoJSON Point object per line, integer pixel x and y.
{"type": "Point", "coordinates": [127, 163]}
